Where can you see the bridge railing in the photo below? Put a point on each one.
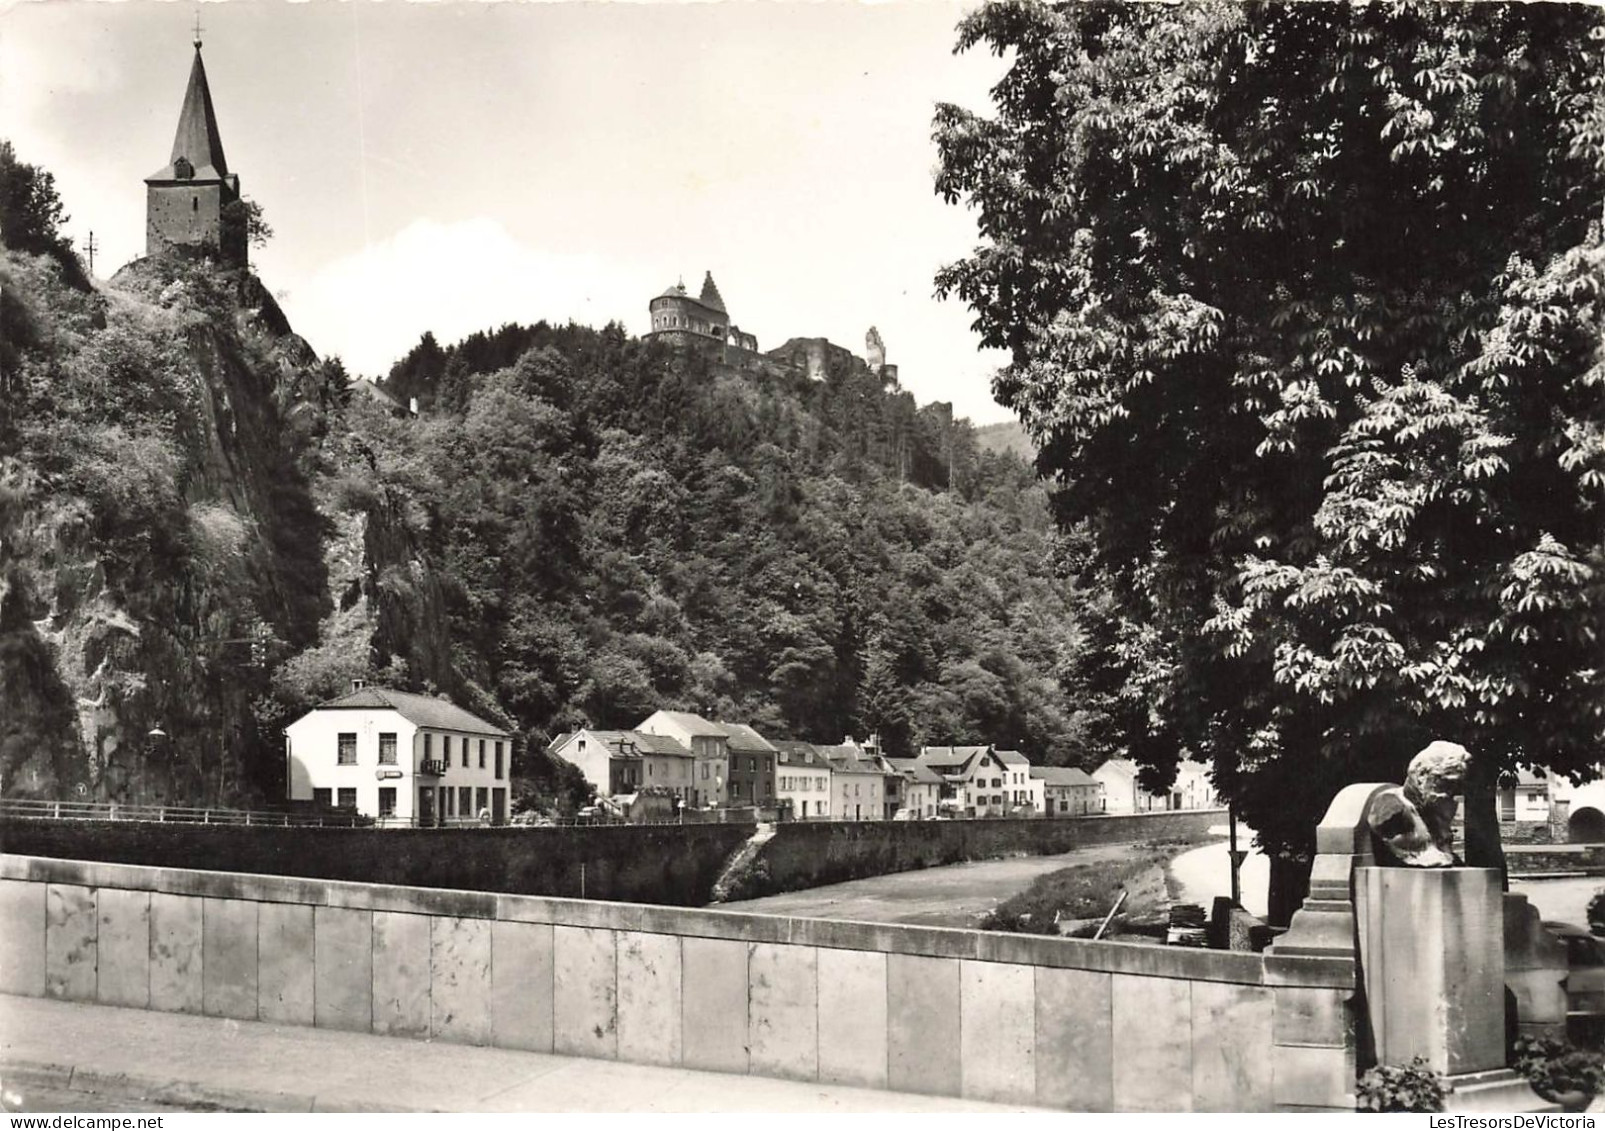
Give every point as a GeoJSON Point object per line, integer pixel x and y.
{"type": "Point", "coordinates": [169, 814]}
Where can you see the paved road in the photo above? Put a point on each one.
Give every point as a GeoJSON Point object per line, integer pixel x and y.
{"type": "Point", "coordinates": [1566, 900]}
{"type": "Point", "coordinates": [1206, 871]}
{"type": "Point", "coordinates": [954, 895]}
{"type": "Point", "coordinates": [68, 1056]}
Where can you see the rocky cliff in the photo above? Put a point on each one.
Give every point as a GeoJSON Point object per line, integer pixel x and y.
{"type": "Point", "coordinates": [168, 536]}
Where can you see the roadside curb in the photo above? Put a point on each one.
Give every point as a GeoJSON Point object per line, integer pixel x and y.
{"type": "Point", "coordinates": [21, 1074]}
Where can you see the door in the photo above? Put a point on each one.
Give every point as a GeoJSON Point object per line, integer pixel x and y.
{"type": "Point", "coordinates": [426, 806]}
{"type": "Point", "coordinates": [498, 806]}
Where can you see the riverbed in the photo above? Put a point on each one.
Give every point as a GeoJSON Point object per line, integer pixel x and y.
{"type": "Point", "coordinates": [954, 895]}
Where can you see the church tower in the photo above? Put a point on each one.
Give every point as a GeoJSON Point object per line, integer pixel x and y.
{"type": "Point", "coordinates": [187, 201]}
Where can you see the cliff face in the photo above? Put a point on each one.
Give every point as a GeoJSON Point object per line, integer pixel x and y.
{"type": "Point", "coordinates": [165, 539]}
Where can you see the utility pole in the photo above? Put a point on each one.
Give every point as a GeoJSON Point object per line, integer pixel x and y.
{"type": "Point", "coordinates": [89, 246]}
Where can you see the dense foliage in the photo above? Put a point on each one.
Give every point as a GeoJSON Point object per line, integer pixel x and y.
{"type": "Point", "coordinates": [1400, 1087]}
{"type": "Point", "coordinates": [630, 527]}
{"type": "Point", "coordinates": [32, 216]}
{"type": "Point", "coordinates": [1557, 1069]}
{"type": "Point", "coordinates": [1305, 305]}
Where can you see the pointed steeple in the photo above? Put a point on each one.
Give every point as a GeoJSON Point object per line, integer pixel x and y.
{"type": "Point", "coordinates": [710, 295]}
{"type": "Point", "coordinates": [197, 142]}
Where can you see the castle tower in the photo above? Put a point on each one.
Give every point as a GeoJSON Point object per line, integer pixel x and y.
{"type": "Point", "coordinates": [187, 201]}
{"type": "Point", "coordinates": [705, 317]}
{"type": "Point", "coordinates": [710, 294]}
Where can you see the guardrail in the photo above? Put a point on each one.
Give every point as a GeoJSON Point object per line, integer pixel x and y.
{"type": "Point", "coordinates": [170, 814]}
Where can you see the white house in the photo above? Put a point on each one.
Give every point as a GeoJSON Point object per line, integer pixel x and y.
{"type": "Point", "coordinates": [976, 780]}
{"type": "Point", "coordinates": [921, 788]}
{"type": "Point", "coordinates": [1070, 792]}
{"type": "Point", "coordinates": [857, 783]}
{"type": "Point", "coordinates": [401, 758]}
{"type": "Point", "coordinates": [1023, 790]}
{"type": "Point", "coordinates": [1123, 793]}
{"type": "Point", "coordinates": [709, 744]}
{"type": "Point", "coordinates": [802, 779]}
{"type": "Point", "coordinates": [626, 761]}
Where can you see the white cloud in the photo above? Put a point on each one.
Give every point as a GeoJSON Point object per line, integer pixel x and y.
{"type": "Point", "coordinates": [453, 279]}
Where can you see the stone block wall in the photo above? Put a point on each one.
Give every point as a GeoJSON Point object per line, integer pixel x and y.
{"type": "Point", "coordinates": [1024, 1020]}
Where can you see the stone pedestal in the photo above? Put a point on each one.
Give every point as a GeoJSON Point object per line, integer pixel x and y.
{"type": "Point", "coordinates": [1432, 957]}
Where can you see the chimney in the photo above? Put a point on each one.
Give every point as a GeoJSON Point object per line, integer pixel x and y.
{"type": "Point", "coordinates": [358, 684]}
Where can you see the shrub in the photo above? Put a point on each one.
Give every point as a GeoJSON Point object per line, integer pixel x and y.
{"type": "Point", "coordinates": [1554, 1067]}
{"type": "Point", "coordinates": [1407, 1087]}
{"type": "Point", "coordinates": [1596, 913]}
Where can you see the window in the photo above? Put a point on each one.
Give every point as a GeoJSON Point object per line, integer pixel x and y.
{"type": "Point", "coordinates": [752, 765]}
{"type": "Point", "coordinates": [465, 801]}
{"type": "Point", "coordinates": [483, 799]}
{"type": "Point", "coordinates": [498, 761]}
{"type": "Point", "coordinates": [322, 797]}
{"type": "Point", "coordinates": [704, 771]}
{"type": "Point", "coordinates": [482, 753]}
{"type": "Point", "coordinates": [465, 754]}
{"type": "Point", "coordinates": [387, 751]}
{"type": "Point", "coordinates": [348, 798]}
{"type": "Point", "coordinates": [429, 747]}
{"type": "Point", "coordinates": [348, 749]}
{"type": "Point", "coordinates": [446, 799]}
{"type": "Point", "coordinates": [648, 769]}
{"type": "Point", "coordinates": [387, 801]}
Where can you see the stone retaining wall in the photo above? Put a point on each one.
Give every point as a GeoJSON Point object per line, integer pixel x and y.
{"type": "Point", "coordinates": [675, 864]}
{"type": "Point", "coordinates": [1019, 1019]}
{"type": "Point", "coordinates": [806, 854]}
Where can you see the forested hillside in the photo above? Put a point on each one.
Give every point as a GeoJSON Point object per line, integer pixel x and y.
{"type": "Point", "coordinates": [633, 527]}
{"type": "Point", "coordinates": [204, 533]}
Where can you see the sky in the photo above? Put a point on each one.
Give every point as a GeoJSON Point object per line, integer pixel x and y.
{"type": "Point", "coordinates": [456, 165]}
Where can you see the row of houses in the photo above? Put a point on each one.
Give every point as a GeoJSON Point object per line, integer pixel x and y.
{"type": "Point", "coordinates": [407, 759]}
{"type": "Point", "coordinates": [700, 763]}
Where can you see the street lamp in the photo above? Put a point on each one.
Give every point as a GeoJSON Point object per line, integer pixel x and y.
{"type": "Point", "coordinates": [155, 735]}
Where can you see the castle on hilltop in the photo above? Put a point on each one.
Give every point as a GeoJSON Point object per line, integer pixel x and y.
{"type": "Point", "coordinates": [704, 322]}
{"type": "Point", "coordinates": [676, 312]}
{"type": "Point", "coordinates": [193, 202]}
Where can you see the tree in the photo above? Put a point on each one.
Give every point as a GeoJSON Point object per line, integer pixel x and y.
{"type": "Point", "coordinates": [1304, 307]}
{"type": "Point", "coordinates": [243, 224]}
{"type": "Point", "coordinates": [32, 216]}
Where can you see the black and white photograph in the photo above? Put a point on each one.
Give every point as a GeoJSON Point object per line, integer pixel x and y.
{"type": "Point", "coordinates": [801, 556]}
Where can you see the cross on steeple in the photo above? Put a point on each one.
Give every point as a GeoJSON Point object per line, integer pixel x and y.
{"type": "Point", "coordinates": [197, 29]}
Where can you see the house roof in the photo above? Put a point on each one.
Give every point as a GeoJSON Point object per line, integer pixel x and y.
{"type": "Point", "coordinates": [628, 743]}
{"type": "Point", "coordinates": [1012, 757]}
{"type": "Point", "coordinates": [367, 387]}
{"type": "Point", "coordinates": [790, 752]}
{"type": "Point", "coordinates": [745, 740]}
{"type": "Point", "coordinates": [197, 139]}
{"type": "Point", "coordinates": [915, 770]}
{"type": "Point", "coordinates": [955, 756]}
{"type": "Point", "coordinates": [694, 725]}
{"type": "Point", "coordinates": [1063, 775]}
{"type": "Point", "coordinates": [419, 710]}
{"type": "Point", "coordinates": [1124, 767]}
{"type": "Point", "coordinates": [845, 759]}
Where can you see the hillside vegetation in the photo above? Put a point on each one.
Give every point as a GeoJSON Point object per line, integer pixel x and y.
{"type": "Point", "coordinates": [204, 532]}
